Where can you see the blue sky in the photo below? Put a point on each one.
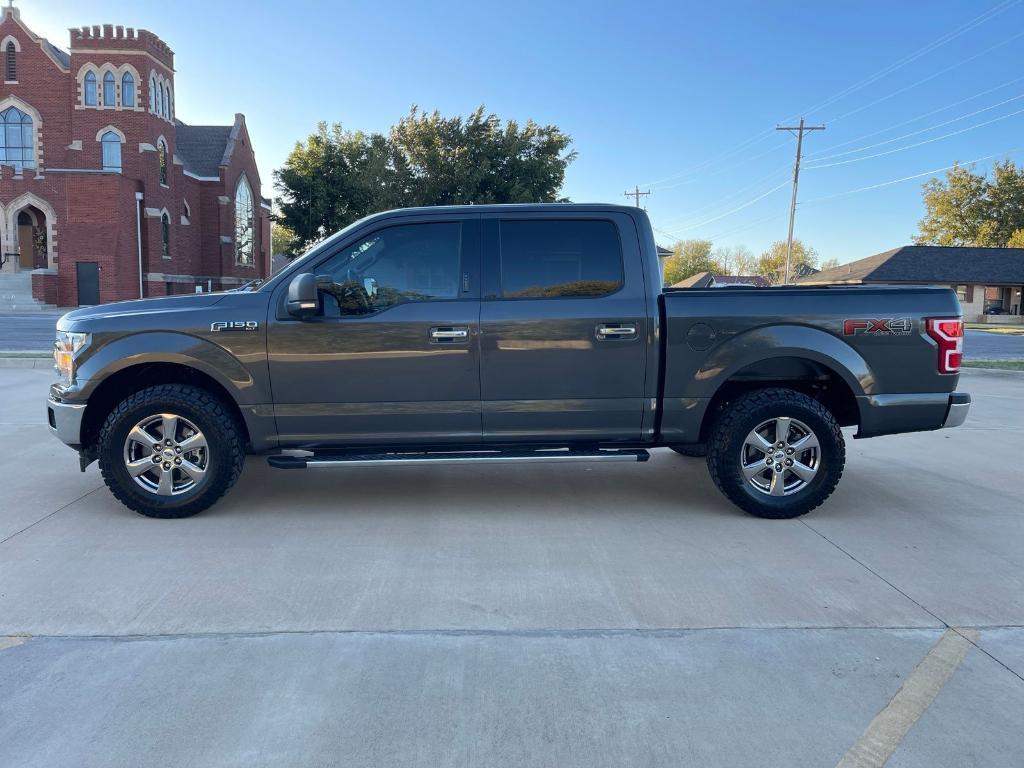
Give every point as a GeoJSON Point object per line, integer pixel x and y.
{"type": "Point", "coordinates": [678, 97]}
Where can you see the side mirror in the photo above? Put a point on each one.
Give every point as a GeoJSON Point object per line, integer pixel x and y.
{"type": "Point", "coordinates": [303, 299]}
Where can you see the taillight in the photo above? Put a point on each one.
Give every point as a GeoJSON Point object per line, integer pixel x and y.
{"type": "Point", "coordinates": [948, 333]}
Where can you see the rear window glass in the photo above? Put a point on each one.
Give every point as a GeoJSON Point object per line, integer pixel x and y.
{"type": "Point", "coordinates": [556, 259]}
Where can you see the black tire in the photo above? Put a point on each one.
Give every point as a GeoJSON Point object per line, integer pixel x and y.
{"type": "Point", "coordinates": [694, 450]}
{"type": "Point", "coordinates": [740, 417]}
{"type": "Point", "coordinates": [223, 434]}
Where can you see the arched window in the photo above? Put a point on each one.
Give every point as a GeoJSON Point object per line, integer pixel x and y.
{"type": "Point", "coordinates": [16, 139]}
{"type": "Point", "coordinates": [161, 153]}
{"type": "Point", "coordinates": [109, 90]}
{"type": "Point", "coordinates": [165, 235]}
{"type": "Point", "coordinates": [111, 144]}
{"type": "Point", "coordinates": [152, 94]}
{"type": "Point", "coordinates": [90, 89]}
{"type": "Point", "coordinates": [243, 223]}
{"type": "Point", "coordinates": [11, 63]}
{"type": "Point", "coordinates": [127, 90]}
{"type": "Point", "coordinates": [170, 109]}
{"type": "Point", "coordinates": [160, 100]}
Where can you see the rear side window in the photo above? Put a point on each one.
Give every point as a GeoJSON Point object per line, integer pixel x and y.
{"type": "Point", "coordinates": [556, 259]}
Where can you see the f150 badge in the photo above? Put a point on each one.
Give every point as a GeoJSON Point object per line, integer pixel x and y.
{"type": "Point", "coordinates": [234, 325]}
{"type": "Point", "coordinates": [886, 326]}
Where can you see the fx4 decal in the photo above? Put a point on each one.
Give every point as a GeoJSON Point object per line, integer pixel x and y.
{"type": "Point", "coordinates": [886, 326]}
{"type": "Point", "coordinates": [234, 325]}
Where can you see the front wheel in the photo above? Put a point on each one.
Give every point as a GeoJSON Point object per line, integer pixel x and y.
{"type": "Point", "coordinates": [776, 453]}
{"type": "Point", "coordinates": [170, 451]}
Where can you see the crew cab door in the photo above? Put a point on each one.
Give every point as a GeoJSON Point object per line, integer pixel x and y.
{"type": "Point", "coordinates": [392, 354]}
{"type": "Point", "coordinates": [564, 328]}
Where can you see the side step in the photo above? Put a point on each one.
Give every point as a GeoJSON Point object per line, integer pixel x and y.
{"type": "Point", "coordinates": [454, 457]}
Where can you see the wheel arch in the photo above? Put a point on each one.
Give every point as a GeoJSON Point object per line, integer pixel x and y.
{"type": "Point", "coordinates": [134, 378]}
{"type": "Point", "coordinates": [797, 357]}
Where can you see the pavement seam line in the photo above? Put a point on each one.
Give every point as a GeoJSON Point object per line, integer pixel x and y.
{"type": "Point", "coordinates": [965, 634]}
{"type": "Point", "coordinates": [888, 728]}
{"type": "Point", "coordinates": [9, 641]}
{"type": "Point", "coordinates": [51, 514]}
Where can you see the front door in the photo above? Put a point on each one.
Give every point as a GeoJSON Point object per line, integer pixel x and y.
{"type": "Point", "coordinates": [88, 278]}
{"type": "Point", "coordinates": [564, 329]}
{"type": "Point", "coordinates": [393, 354]}
{"type": "Point", "coordinates": [26, 245]}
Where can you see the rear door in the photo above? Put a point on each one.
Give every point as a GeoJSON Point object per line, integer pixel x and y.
{"type": "Point", "coordinates": [392, 356]}
{"type": "Point", "coordinates": [563, 325]}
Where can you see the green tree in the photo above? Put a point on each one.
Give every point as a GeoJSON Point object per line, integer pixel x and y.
{"type": "Point", "coordinates": [688, 258]}
{"type": "Point", "coordinates": [772, 264]}
{"type": "Point", "coordinates": [281, 239]}
{"type": "Point", "coordinates": [1016, 239]}
{"type": "Point", "coordinates": [968, 208]}
{"type": "Point", "coordinates": [338, 176]}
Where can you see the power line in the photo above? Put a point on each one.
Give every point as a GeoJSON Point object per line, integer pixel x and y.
{"type": "Point", "coordinates": [914, 119]}
{"type": "Point", "coordinates": [800, 131]}
{"type": "Point", "coordinates": [907, 178]}
{"type": "Point", "coordinates": [924, 80]}
{"type": "Point", "coordinates": [737, 209]}
{"type": "Point", "coordinates": [949, 36]}
{"type": "Point", "coordinates": [715, 206]}
{"type": "Point", "coordinates": [636, 193]}
{"type": "Point", "coordinates": [918, 143]}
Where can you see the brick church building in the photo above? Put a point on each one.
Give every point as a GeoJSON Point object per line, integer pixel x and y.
{"type": "Point", "coordinates": [104, 194]}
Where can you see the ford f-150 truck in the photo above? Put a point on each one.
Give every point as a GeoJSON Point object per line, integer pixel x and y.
{"type": "Point", "coordinates": [514, 333]}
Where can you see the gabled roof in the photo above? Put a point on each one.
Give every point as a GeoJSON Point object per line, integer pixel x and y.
{"type": "Point", "coordinates": [700, 280]}
{"type": "Point", "coordinates": [202, 147]}
{"type": "Point", "coordinates": [63, 57]}
{"type": "Point", "coordinates": [930, 264]}
{"type": "Point", "coordinates": [711, 280]}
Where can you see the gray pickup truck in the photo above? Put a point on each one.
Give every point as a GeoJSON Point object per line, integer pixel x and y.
{"type": "Point", "coordinates": [516, 333]}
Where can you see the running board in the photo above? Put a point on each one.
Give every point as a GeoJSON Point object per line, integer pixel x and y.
{"type": "Point", "coordinates": [455, 457]}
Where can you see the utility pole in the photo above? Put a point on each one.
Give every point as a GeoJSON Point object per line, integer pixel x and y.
{"type": "Point", "coordinates": [637, 194]}
{"type": "Point", "coordinates": [799, 132]}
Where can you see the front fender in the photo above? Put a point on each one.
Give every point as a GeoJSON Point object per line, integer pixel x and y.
{"type": "Point", "coordinates": [147, 347]}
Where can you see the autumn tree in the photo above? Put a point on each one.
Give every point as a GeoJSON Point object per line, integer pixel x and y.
{"type": "Point", "coordinates": [690, 257]}
{"type": "Point", "coordinates": [968, 208]}
{"type": "Point", "coordinates": [772, 264]}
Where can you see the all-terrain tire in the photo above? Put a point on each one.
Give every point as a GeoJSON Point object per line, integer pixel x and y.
{"type": "Point", "coordinates": [223, 434]}
{"type": "Point", "coordinates": [735, 423]}
{"type": "Point", "coordinates": [694, 450]}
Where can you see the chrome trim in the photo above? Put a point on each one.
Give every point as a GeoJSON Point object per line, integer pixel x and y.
{"type": "Point", "coordinates": [67, 418]}
{"type": "Point", "coordinates": [497, 459]}
{"type": "Point", "coordinates": [956, 415]}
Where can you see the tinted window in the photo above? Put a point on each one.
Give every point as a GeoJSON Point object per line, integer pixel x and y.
{"type": "Point", "coordinates": [550, 259]}
{"type": "Point", "coordinates": [417, 262]}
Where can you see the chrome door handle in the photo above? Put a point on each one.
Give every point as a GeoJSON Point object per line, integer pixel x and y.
{"type": "Point", "coordinates": [616, 331]}
{"type": "Point", "coordinates": [449, 334]}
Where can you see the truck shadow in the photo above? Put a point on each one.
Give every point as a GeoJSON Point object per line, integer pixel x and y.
{"type": "Point", "coordinates": [668, 482]}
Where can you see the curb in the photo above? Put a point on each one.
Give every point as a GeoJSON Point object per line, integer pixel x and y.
{"type": "Point", "coordinates": [26, 362]}
{"type": "Point", "coordinates": [998, 372]}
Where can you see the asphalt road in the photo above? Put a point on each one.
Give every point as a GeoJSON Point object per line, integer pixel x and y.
{"type": "Point", "coordinates": [579, 615]}
{"type": "Point", "coordinates": [34, 332]}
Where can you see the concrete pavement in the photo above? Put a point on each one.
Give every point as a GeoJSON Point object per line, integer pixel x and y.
{"type": "Point", "coordinates": [590, 615]}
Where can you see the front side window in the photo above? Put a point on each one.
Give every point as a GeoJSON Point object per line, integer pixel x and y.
{"type": "Point", "coordinates": [90, 89]}
{"type": "Point", "coordinates": [127, 90]}
{"type": "Point", "coordinates": [109, 90]}
{"type": "Point", "coordinates": [152, 94]}
{"type": "Point", "coordinates": [557, 259]}
{"type": "Point", "coordinates": [111, 144]}
{"type": "Point", "coordinates": [11, 63]}
{"type": "Point", "coordinates": [165, 236]}
{"type": "Point", "coordinates": [397, 265]}
{"type": "Point", "coordinates": [16, 147]}
{"type": "Point", "coordinates": [244, 229]}
{"type": "Point", "coordinates": [161, 153]}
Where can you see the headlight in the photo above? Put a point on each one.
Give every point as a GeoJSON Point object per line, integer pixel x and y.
{"type": "Point", "coordinates": [65, 350]}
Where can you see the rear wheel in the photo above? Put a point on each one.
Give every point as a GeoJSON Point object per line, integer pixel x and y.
{"type": "Point", "coordinates": [170, 451]}
{"type": "Point", "coordinates": [776, 453]}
